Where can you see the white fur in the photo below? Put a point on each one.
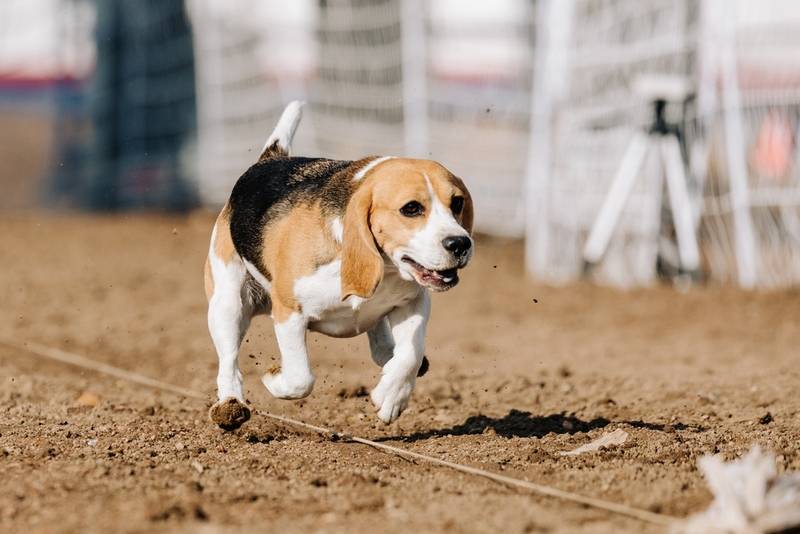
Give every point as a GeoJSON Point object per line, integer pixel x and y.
{"type": "Point", "coordinates": [369, 166]}
{"type": "Point", "coordinates": [381, 342]}
{"type": "Point", "coordinates": [408, 323]}
{"type": "Point", "coordinates": [286, 127]}
{"type": "Point", "coordinates": [295, 379]}
{"type": "Point", "coordinates": [320, 298]}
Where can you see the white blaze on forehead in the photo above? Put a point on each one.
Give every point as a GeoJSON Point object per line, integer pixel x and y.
{"type": "Point", "coordinates": [369, 166]}
{"type": "Point", "coordinates": [441, 218]}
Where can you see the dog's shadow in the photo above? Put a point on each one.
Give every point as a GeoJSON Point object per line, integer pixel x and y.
{"type": "Point", "coordinates": [520, 424]}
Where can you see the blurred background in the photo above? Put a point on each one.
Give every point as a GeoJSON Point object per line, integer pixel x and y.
{"type": "Point", "coordinates": [544, 107]}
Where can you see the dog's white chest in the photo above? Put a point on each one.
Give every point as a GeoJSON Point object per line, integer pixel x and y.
{"type": "Point", "coordinates": [319, 296]}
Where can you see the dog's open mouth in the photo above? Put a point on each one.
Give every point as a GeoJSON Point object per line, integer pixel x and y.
{"type": "Point", "coordinates": [436, 280]}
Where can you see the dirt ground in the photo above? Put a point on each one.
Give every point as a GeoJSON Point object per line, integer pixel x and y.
{"type": "Point", "coordinates": [26, 139]}
{"type": "Point", "coordinates": [519, 373]}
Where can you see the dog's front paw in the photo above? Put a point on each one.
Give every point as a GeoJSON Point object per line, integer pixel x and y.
{"type": "Point", "coordinates": [229, 413]}
{"type": "Point", "coordinates": [391, 397]}
{"type": "Point", "coordinates": [288, 387]}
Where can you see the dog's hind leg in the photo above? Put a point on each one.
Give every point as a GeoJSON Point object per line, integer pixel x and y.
{"type": "Point", "coordinates": [230, 309]}
{"type": "Point", "coordinates": [295, 379]}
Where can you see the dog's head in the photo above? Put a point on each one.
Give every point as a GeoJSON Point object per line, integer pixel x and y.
{"type": "Point", "coordinates": [417, 214]}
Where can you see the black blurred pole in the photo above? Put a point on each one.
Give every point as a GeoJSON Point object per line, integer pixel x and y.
{"type": "Point", "coordinates": [142, 103]}
{"type": "Point", "coordinates": [104, 154]}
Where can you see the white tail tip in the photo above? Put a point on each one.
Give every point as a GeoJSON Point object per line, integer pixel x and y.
{"type": "Point", "coordinates": [281, 138]}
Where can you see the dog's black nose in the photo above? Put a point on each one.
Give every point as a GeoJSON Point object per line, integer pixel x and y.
{"type": "Point", "coordinates": [457, 244]}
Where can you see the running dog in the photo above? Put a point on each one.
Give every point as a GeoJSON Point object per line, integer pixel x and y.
{"type": "Point", "coordinates": [337, 247]}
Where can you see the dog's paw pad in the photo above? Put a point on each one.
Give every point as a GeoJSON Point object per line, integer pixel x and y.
{"type": "Point", "coordinates": [229, 414]}
{"type": "Point", "coordinates": [424, 366]}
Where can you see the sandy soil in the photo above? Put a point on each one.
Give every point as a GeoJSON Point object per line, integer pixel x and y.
{"type": "Point", "coordinates": [519, 373]}
{"type": "Point", "coordinates": [26, 139]}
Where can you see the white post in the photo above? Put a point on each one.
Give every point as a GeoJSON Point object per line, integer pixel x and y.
{"type": "Point", "coordinates": [680, 202]}
{"type": "Point", "coordinates": [553, 26]}
{"type": "Point", "coordinates": [414, 76]}
{"type": "Point", "coordinates": [735, 150]}
{"type": "Point", "coordinates": [617, 197]}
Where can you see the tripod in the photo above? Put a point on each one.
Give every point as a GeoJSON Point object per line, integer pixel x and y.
{"type": "Point", "coordinates": [663, 138]}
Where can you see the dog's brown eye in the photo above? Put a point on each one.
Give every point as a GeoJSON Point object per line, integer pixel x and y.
{"type": "Point", "coordinates": [457, 205]}
{"type": "Point", "coordinates": [412, 209]}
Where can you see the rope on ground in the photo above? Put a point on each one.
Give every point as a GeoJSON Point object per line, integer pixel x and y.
{"type": "Point", "coordinates": [77, 360]}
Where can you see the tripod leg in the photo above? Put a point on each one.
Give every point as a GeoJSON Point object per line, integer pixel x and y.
{"type": "Point", "coordinates": [680, 203]}
{"type": "Point", "coordinates": [616, 198]}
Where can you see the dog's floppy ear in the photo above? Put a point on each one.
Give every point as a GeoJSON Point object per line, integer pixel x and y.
{"type": "Point", "coordinates": [362, 265]}
{"type": "Point", "coordinates": [468, 213]}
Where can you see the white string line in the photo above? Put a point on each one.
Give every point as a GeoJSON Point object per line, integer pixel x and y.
{"type": "Point", "coordinates": [93, 365]}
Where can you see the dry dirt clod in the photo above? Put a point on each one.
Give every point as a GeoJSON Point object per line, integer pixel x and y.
{"type": "Point", "coordinates": [229, 414]}
{"type": "Point", "coordinates": [87, 398]}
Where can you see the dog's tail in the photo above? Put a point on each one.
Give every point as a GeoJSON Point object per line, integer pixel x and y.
{"type": "Point", "coordinates": [279, 143]}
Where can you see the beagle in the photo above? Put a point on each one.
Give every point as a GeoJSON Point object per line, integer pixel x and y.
{"type": "Point", "coordinates": [337, 247]}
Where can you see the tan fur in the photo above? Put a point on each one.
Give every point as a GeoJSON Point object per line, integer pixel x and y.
{"type": "Point", "coordinates": [222, 248]}
{"type": "Point", "coordinates": [208, 280]}
{"type": "Point", "coordinates": [362, 265]}
{"type": "Point", "coordinates": [294, 246]}
{"type": "Point", "coordinates": [223, 244]}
